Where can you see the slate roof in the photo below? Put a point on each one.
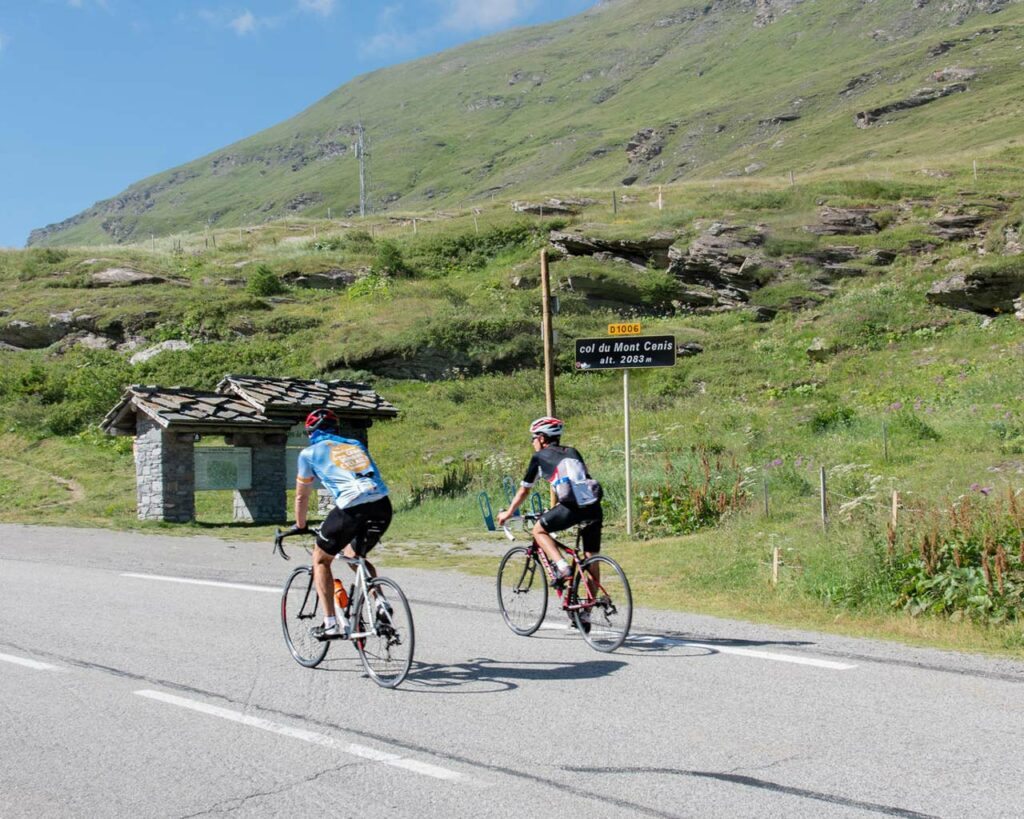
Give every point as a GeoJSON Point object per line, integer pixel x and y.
{"type": "Point", "coordinates": [183, 406]}
{"type": "Point", "coordinates": [294, 397]}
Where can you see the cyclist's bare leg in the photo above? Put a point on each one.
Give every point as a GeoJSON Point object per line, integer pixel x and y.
{"type": "Point", "coordinates": [350, 553]}
{"type": "Point", "coordinates": [324, 580]}
{"type": "Point", "coordinates": [546, 543]}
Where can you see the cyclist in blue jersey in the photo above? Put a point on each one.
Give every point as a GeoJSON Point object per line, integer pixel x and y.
{"type": "Point", "coordinates": [579, 496]}
{"type": "Point", "coordinates": [361, 513]}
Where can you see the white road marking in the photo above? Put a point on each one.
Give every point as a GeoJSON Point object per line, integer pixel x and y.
{"type": "Point", "coordinates": [38, 666]}
{"type": "Point", "coordinates": [193, 582]}
{"type": "Point", "coordinates": [650, 639]}
{"type": "Point", "coordinates": [656, 640]}
{"type": "Point", "coordinates": [361, 751]}
{"type": "Point", "coordinates": [633, 639]}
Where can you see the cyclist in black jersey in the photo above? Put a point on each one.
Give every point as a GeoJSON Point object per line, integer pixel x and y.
{"type": "Point", "coordinates": [579, 495]}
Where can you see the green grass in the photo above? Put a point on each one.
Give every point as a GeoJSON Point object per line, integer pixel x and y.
{"type": "Point", "coordinates": [455, 344]}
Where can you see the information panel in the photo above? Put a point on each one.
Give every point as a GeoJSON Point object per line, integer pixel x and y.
{"type": "Point", "coordinates": [228, 467]}
{"type": "Point", "coordinates": [625, 353]}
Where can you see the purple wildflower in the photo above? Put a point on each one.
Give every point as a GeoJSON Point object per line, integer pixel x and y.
{"type": "Point", "coordinates": [777, 462]}
{"type": "Point", "coordinates": [895, 405]}
{"type": "Point", "coordinates": [975, 487]}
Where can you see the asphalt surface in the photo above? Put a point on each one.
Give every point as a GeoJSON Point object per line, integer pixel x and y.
{"type": "Point", "coordinates": [125, 691]}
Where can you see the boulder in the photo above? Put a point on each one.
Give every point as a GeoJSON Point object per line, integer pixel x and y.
{"type": "Point", "coordinates": [90, 341]}
{"type": "Point", "coordinates": [689, 348]}
{"type": "Point", "coordinates": [763, 314]}
{"type": "Point", "coordinates": [879, 257]}
{"type": "Point", "coordinates": [123, 277]}
{"type": "Point", "coordinates": [832, 254]}
{"type": "Point", "coordinates": [333, 279]}
{"type": "Point", "coordinates": [173, 345]}
{"type": "Point", "coordinates": [31, 336]}
{"type": "Point", "coordinates": [987, 290]}
{"type": "Point", "coordinates": [845, 222]}
{"type": "Point", "coordinates": [636, 251]}
{"type": "Point", "coordinates": [1018, 308]}
{"type": "Point", "coordinates": [821, 350]}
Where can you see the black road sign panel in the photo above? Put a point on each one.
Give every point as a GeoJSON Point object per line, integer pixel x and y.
{"type": "Point", "coordinates": [625, 353]}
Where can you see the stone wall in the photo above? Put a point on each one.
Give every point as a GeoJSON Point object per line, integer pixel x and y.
{"type": "Point", "coordinates": [164, 473]}
{"type": "Point", "coordinates": [266, 501]}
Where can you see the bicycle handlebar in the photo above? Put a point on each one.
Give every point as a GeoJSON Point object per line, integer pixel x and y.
{"type": "Point", "coordinates": [507, 531]}
{"type": "Point", "coordinates": [279, 537]}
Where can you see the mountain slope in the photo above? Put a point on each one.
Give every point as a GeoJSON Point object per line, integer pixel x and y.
{"type": "Point", "coordinates": [633, 91]}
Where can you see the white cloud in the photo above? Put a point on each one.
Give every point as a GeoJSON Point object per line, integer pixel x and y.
{"type": "Point", "coordinates": [244, 23]}
{"type": "Point", "coordinates": [466, 15]}
{"type": "Point", "coordinates": [325, 8]}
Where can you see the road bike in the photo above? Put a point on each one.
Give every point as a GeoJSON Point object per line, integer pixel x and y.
{"type": "Point", "coordinates": [377, 618]}
{"type": "Point", "coordinates": [601, 610]}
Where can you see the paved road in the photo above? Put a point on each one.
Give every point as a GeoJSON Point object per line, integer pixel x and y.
{"type": "Point", "coordinates": [123, 692]}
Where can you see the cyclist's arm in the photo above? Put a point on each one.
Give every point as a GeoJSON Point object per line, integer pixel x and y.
{"type": "Point", "coordinates": [517, 500]}
{"type": "Point", "coordinates": [303, 489]}
{"type": "Point", "coordinates": [303, 492]}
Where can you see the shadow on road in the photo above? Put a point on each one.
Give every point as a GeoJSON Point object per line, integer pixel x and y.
{"type": "Point", "coordinates": [482, 675]}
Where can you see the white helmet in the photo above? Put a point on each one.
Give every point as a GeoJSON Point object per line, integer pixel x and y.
{"type": "Point", "coordinates": [549, 427]}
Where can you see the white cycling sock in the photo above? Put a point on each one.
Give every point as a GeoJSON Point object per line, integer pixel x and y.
{"type": "Point", "coordinates": [562, 566]}
{"type": "Point", "coordinates": [330, 621]}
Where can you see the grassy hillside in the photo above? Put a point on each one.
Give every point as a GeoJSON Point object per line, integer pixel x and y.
{"type": "Point", "coordinates": [443, 319]}
{"type": "Point", "coordinates": [646, 90]}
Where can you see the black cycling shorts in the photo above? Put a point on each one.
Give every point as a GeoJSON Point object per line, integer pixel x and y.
{"type": "Point", "coordinates": [360, 525]}
{"type": "Point", "coordinates": [591, 517]}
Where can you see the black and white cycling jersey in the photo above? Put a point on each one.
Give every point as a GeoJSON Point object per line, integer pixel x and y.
{"type": "Point", "coordinates": [565, 469]}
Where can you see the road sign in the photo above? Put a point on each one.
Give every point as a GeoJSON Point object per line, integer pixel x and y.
{"type": "Point", "coordinates": [625, 353]}
{"type": "Point", "coordinates": [624, 329]}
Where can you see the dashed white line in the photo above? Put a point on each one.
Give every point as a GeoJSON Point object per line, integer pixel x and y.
{"type": "Point", "coordinates": [38, 666]}
{"type": "Point", "coordinates": [361, 751]}
{"type": "Point", "coordinates": [193, 582]}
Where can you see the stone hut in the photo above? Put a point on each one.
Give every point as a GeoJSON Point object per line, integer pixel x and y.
{"type": "Point", "coordinates": [253, 413]}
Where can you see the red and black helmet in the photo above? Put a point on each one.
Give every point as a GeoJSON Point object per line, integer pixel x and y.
{"type": "Point", "coordinates": [321, 419]}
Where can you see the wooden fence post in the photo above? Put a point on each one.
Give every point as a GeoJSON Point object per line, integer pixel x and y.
{"type": "Point", "coordinates": [775, 565]}
{"type": "Point", "coordinates": [824, 500]}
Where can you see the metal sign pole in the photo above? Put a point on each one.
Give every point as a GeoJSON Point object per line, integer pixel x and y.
{"type": "Point", "coordinates": [629, 464]}
{"type": "Point", "coordinates": [549, 344]}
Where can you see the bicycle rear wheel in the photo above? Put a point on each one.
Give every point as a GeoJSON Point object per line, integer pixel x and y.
{"type": "Point", "coordinates": [605, 612]}
{"type": "Point", "coordinates": [522, 591]}
{"type": "Point", "coordinates": [299, 614]}
{"type": "Point", "coordinates": [387, 650]}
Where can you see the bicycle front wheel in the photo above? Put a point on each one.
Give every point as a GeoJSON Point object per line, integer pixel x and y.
{"type": "Point", "coordinates": [299, 615]}
{"type": "Point", "coordinates": [602, 611]}
{"type": "Point", "coordinates": [384, 619]}
{"type": "Point", "coordinates": [522, 591]}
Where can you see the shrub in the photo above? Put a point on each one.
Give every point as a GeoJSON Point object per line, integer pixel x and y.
{"type": "Point", "coordinates": [964, 561]}
{"type": "Point", "coordinates": [697, 498]}
{"type": "Point", "coordinates": [454, 483]}
{"type": "Point", "coordinates": [389, 260]}
{"type": "Point", "coordinates": [265, 282]}
{"type": "Point", "coordinates": [831, 418]}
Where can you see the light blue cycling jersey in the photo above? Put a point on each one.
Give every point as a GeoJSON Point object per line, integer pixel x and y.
{"type": "Point", "coordinates": [344, 467]}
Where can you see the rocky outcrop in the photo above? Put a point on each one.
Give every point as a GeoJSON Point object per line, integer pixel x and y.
{"type": "Point", "coordinates": [123, 277]}
{"type": "Point", "coordinates": [635, 251]}
{"type": "Point", "coordinates": [986, 290]}
{"type": "Point", "coordinates": [865, 119]}
{"type": "Point", "coordinates": [333, 279]}
{"type": "Point", "coordinates": [174, 345]}
{"type": "Point", "coordinates": [721, 267]}
{"type": "Point", "coordinates": [845, 222]}
{"type": "Point", "coordinates": [645, 145]}
{"type": "Point", "coordinates": [957, 227]}
{"type": "Point", "coordinates": [550, 207]}
{"type": "Point", "coordinates": [28, 335]}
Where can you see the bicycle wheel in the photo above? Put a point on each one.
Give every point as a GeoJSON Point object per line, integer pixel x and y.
{"type": "Point", "coordinates": [522, 591]}
{"type": "Point", "coordinates": [605, 613]}
{"type": "Point", "coordinates": [299, 613]}
{"type": "Point", "coordinates": [387, 653]}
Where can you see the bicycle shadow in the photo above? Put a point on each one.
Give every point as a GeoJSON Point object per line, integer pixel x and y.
{"type": "Point", "coordinates": [483, 675]}
{"type": "Point", "coordinates": [677, 644]}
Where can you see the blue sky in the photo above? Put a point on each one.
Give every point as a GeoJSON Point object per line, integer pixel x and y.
{"type": "Point", "coordinates": [97, 94]}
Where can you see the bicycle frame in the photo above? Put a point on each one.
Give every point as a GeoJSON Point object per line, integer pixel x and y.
{"type": "Point", "coordinates": [577, 557]}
